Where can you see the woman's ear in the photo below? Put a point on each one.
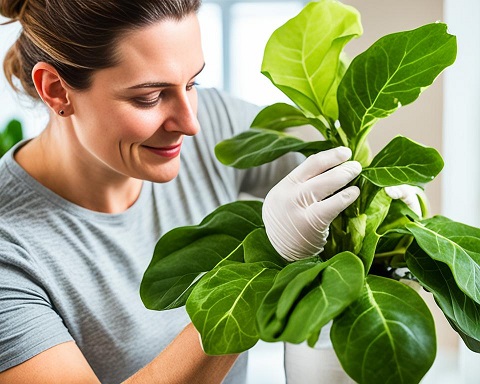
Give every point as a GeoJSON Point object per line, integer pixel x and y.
{"type": "Point", "coordinates": [51, 88]}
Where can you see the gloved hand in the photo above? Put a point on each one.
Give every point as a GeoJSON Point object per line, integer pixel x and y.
{"type": "Point", "coordinates": [299, 209]}
{"type": "Point", "coordinates": [410, 195]}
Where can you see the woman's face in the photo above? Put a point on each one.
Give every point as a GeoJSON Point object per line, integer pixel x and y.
{"type": "Point", "coordinates": [132, 120]}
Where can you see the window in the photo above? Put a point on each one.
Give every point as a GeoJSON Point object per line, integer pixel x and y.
{"type": "Point", "coordinates": [234, 35]}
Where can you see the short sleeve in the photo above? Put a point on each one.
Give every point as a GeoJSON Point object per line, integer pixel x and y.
{"type": "Point", "coordinates": [29, 324]}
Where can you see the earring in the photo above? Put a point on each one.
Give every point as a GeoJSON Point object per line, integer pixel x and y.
{"type": "Point", "coordinates": [61, 112]}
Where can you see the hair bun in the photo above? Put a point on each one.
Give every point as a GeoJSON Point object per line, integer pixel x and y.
{"type": "Point", "coordinates": [13, 9]}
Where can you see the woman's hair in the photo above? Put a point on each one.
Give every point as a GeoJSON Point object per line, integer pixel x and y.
{"type": "Point", "coordinates": [78, 37]}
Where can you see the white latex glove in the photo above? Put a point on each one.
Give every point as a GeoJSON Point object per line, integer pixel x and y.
{"type": "Point", "coordinates": [410, 195]}
{"type": "Point", "coordinates": [318, 365]}
{"type": "Point", "coordinates": [299, 209]}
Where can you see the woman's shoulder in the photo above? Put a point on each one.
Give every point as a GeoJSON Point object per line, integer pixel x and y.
{"type": "Point", "coordinates": [221, 111]}
{"type": "Point", "coordinates": [216, 96]}
{"type": "Point", "coordinates": [18, 198]}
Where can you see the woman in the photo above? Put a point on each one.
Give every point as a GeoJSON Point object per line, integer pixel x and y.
{"type": "Point", "coordinates": [83, 204]}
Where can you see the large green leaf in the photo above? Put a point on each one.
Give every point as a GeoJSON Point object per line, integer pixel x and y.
{"type": "Point", "coordinates": [454, 244]}
{"type": "Point", "coordinates": [403, 161]}
{"type": "Point", "coordinates": [302, 58]}
{"type": "Point", "coordinates": [385, 336]}
{"type": "Point", "coordinates": [257, 247]}
{"type": "Point", "coordinates": [279, 117]}
{"type": "Point", "coordinates": [260, 146]}
{"type": "Point", "coordinates": [462, 312]}
{"type": "Point", "coordinates": [391, 73]}
{"type": "Point", "coordinates": [223, 305]}
{"type": "Point", "coordinates": [182, 255]}
{"type": "Point", "coordinates": [471, 343]}
{"type": "Point", "coordinates": [307, 295]}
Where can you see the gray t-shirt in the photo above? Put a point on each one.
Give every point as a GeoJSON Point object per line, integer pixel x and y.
{"type": "Point", "coordinates": [68, 273]}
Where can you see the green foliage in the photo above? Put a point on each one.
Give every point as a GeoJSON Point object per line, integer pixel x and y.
{"type": "Point", "coordinates": [11, 135]}
{"type": "Point", "coordinates": [309, 45]}
{"type": "Point", "coordinates": [306, 295]}
{"type": "Point", "coordinates": [238, 290]}
{"type": "Point", "coordinates": [403, 161]}
{"type": "Point", "coordinates": [240, 287]}
{"type": "Point", "coordinates": [387, 335]}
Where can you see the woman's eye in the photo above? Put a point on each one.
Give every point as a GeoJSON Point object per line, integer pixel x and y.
{"type": "Point", "coordinates": [191, 86]}
{"type": "Point", "coordinates": [146, 102]}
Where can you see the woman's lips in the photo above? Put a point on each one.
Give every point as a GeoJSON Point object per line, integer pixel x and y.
{"type": "Point", "coordinates": [168, 152]}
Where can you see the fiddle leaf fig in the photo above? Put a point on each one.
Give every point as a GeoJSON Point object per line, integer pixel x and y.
{"type": "Point", "coordinates": [257, 247]}
{"type": "Point", "coordinates": [259, 146]}
{"type": "Point", "coordinates": [310, 45]}
{"type": "Point", "coordinates": [386, 336]}
{"type": "Point", "coordinates": [403, 161]}
{"type": "Point", "coordinates": [307, 295]}
{"type": "Point", "coordinates": [184, 254]}
{"type": "Point", "coordinates": [280, 116]}
{"type": "Point", "coordinates": [238, 289]}
{"type": "Point", "coordinates": [218, 304]}
{"type": "Point", "coordinates": [392, 73]}
{"type": "Point", "coordinates": [460, 310]}
{"type": "Point", "coordinates": [455, 244]}
{"type": "Point", "coordinates": [375, 214]}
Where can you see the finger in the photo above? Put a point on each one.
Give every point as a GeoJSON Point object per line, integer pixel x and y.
{"type": "Point", "coordinates": [324, 185]}
{"type": "Point", "coordinates": [408, 194]}
{"type": "Point", "coordinates": [413, 203]}
{"type": "Point", "coordinates": [319, 163]}
{"type": "Point", "coordinates": [326, 210]}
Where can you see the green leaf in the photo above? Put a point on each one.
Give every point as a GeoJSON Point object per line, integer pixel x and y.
{"type": "Point", "coordinates": [356, 229]}
{"type": "Point", "coordinates": [184, 254]}
{"type": "Point", "coordinates": [302, 58]}
{"type": "Point", "coordinates": [403, 161]}
{"type": "Point", "coordinates": [11, 135]}
{"type": "Point", "coordinates": [386, 336]}
{"type": "Point", "coordinates": [279, 117]}
{"type": "Point", "coordinates": [462, 312]}
{"type": "Point", "coordinates": [260, 146]}
{"type": "Point", "coordinates": [307, 295]}
{"type": "Point", "coordinates": [257, 247]}
{"type": "Point", "coordinates": [391, 73]}
{"type": "Point", "coordinates": [471, 343]}
{"type": "Point", "coordinates": [398, 215]}
{"type": "Point", "coordinates": [454, 244]}
{"type": "Point", "coordinates": [223, 305]}
{"type": "Point", "coordinates": [376, 213]}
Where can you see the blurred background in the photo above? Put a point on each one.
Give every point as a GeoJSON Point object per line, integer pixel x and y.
{"type": "Point", "coordinates": [446, 116]}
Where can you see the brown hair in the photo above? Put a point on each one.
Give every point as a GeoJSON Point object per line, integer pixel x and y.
{"type": "Point", "coordinates": [78, 37]}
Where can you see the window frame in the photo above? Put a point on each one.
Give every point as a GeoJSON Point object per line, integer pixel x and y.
{"type": "Point", "coordinates": [226, 16]}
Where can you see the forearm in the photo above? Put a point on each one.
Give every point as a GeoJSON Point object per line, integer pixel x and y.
{"type": "Point", "coordinates": [184, 361]}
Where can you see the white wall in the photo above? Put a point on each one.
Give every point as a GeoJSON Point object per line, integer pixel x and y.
{"type": "Point", "coordinates": [461, 175]}
{"type": "Point", "coordinates": [461, 187]}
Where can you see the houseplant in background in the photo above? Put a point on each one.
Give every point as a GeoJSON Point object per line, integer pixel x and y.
{"type": "Point", "coordinates": [10, 135]}
{"type": "Point", "coordinates": [235, 286]}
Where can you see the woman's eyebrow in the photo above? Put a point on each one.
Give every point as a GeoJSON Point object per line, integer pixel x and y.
{"type": "Point", "coordinates": [161, 84]}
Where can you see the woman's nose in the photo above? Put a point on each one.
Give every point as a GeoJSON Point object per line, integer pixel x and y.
{"type": "Point", "coordinates": [183, 115]}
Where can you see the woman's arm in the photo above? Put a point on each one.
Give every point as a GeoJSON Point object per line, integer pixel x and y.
{"type": "Point", "coordinates": [183, 361]}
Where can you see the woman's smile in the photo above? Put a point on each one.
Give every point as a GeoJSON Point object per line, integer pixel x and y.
{"type": "Point", "coordinates": [170, 151]}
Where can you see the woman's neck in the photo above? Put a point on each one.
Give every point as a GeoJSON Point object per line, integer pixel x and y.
{"type": "Point", "coordinates": [60, 166]}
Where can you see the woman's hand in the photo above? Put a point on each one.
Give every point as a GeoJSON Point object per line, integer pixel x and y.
{"type": "Point", "coordinates": [412, 196]}
{"type": "Point", "coordinates": [297, 212]}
